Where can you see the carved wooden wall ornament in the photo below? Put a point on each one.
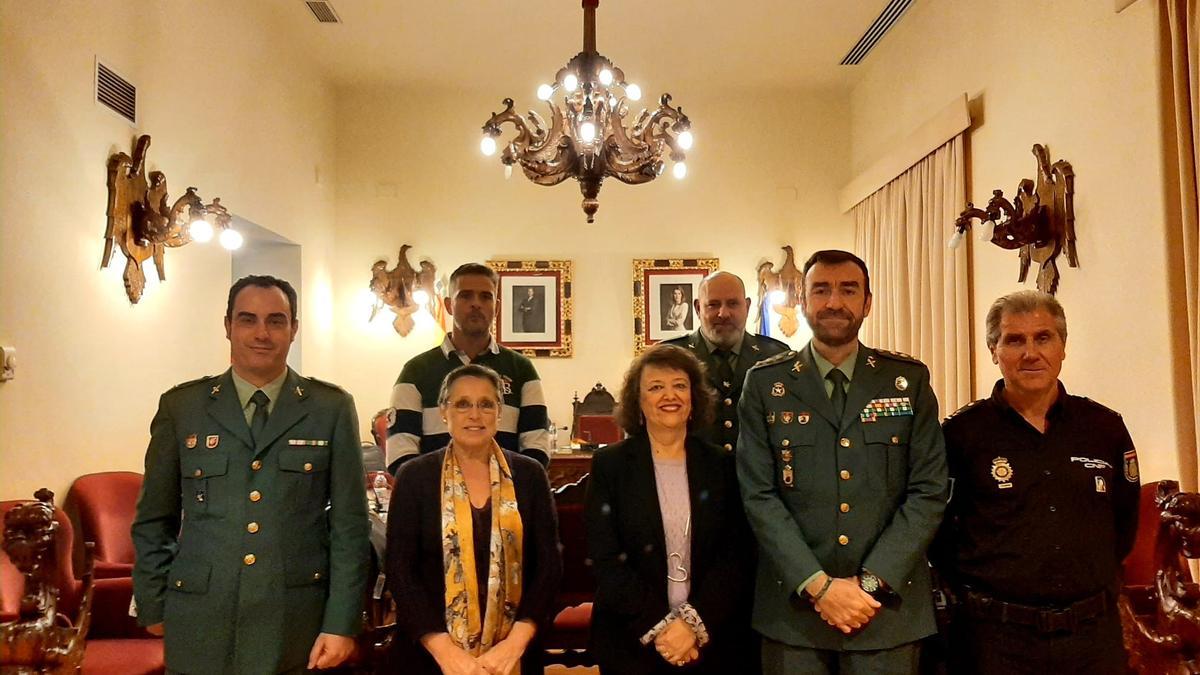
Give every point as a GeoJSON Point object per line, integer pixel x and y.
{"type": "Point", "coordinates": [140, 221]}
{"type": "Point", "coordinates": [789, 280]}
{"type": "Point", "coordinates": [397, 289]}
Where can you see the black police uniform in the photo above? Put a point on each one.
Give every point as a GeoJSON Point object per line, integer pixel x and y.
{"type": "Point", "coordinates": [1034, 535]}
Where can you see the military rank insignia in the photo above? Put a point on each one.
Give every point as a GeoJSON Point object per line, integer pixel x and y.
{"type": "Point", "coordinates": [1131, 466]}
{"type": "Point", "coordinates": [871, 361]}
{"type": "Point", "coordinates": [1002, 471]}
{"type": "Point", "coordinates": [900, 406]}
{"type": "Point", "coordinates": [191, 441]}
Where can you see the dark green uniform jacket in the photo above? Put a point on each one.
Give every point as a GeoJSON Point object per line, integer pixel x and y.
{"type": "Point", "coordinates": [723, 432]}
{"type": "Point", "coordinates": [247, 553]}
{"type": "Point", "coordinates": [864, 491]}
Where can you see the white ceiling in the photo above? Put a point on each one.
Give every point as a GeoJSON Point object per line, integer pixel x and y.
{"type": "Point", "coordinates": [672, 44]}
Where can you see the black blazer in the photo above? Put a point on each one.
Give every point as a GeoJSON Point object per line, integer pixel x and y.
{"type": "Point", "coordinates": [628, 550]}
{"type": "Point", "coordinates": [414, 557]}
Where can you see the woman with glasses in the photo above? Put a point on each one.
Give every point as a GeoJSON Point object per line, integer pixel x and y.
{"type": "Point", "coordinates": [672, 553]}
{"type": "Point", "coordinates": [472, 558]}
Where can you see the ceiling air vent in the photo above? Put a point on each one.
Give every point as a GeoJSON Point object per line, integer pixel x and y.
{"type": "Point", "coordinates": [323, 11]}
{"type": "Point", "coordinates": [116, 93]}
{"type": "Point", "coordinates": [887, 18]}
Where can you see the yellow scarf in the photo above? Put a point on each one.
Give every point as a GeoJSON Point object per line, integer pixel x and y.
{"type": "Point", "coordinates": [476, 629]}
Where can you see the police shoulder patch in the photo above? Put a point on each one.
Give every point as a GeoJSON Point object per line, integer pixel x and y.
{"type": "Point", "coordinates": [965, 408]}
{"type": "Point", "coordinates": [778, 358]}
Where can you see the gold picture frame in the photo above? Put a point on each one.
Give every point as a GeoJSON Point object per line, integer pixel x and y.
{"type": "Point", "coordinates": [663, 290]}
{"type": "Point", "coordinates": [533, 315]}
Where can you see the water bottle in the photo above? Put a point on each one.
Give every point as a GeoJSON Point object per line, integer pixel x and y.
{"type": "Point", "coordinates": [381, 493]}
{"type": "Point", "coordinates": [550, 429]}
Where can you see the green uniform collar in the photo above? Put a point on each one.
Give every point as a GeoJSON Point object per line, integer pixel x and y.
{"type": "Point", "coordinates": [245, 390]}
{"type": "Point", "coordinates": [824, 366]}
{"type": "Point", "coordinates": [736, 350]}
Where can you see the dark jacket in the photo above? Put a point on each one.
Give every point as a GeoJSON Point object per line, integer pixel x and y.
{"type": "Point", "coordinates": [414, 557]}
{"type": "Point", "coordinates": [627, 545]}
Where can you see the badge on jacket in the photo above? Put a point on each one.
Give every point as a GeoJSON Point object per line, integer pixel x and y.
{"type": "Point", "coordinates": [1002, 471]}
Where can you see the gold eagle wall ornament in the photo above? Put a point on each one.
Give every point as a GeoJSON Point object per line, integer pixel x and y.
{"type": "Point", "coordinates": [789, 280]}
{"type": "Point", "coordinates": [141, 223]}
{"type": "Point", "coordinates": [395, 288]}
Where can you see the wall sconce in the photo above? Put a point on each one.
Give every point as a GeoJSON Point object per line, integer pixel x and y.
{"type": "Point", "coordinates": [404, 290]}
{"type": "Point", "coordinates": [780, 291]}
{"type": "Point", "coordinates": [143, 226]}
{"type": "Point", "coordinates": [1040, 221]}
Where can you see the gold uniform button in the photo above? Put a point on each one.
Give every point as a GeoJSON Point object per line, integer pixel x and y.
{"type": "Point", "coordinates": [256, 465]}
{"type": "Point", "coordinates": [728, 401]}
{"type": "Point", "coordinates": [255, 495]}
{"type": "Point", "coordinates": [198, 472]}
{"type": "Point", "coordinates": [843, 540]}
{"type": "Point", "coordinates": [317, 575]}
{"type": "Point", "coordinates": [249, 559]}
{"type": "Point", "coordinates": [307, 467]}
{"type": "Point", "coordinates": [844, 508]}
{"type": "Point", "coordinates": [728, 424]}
{"type": "Point", "coordinates": [252, 527]}
{"type": "Point", "coordinates": [844, 474]}
{"type": "Point", "coordinates": [728, 447]}
{"type": "Point", "coordinates": [895, 439]}
{"type": "Point", "coordinates": [179, 583]}
{"type": "Point", "coordinates": [786, 442]}
{"type": "Point", "coordinates": [845, 442]}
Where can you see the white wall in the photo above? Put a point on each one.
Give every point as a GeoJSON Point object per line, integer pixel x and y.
{"type": "Point", "coordinates": [231, 110]}
{"type": "Point", "coordinates": [1082, 80]}
{"type": "Point", "coordinates": [764, 172]}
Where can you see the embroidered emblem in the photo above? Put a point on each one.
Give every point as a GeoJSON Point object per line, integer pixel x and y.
{"type": "Point", "coordinates": [771, 417]}
{"type": "Point", "coordinates": [901, 383]}
{"type": "Point", "coordinates": [506, 381]}
{"type": "Point", "coordinates": [900, 406]}
{"type": "Point", "coordinates": [755, 348]}
{"type": "Point", "coordinates": [211, 442]}
{"type": "Point", "coordinates": [786, 455]}
{"type": "Point", "coordinates": [191, 441]}
{"type": "Point", "coordinates": [299, 391]}
{"type": "Point", "coordinates": [802, 418]}
{"type": "Point", "coordinates": [787, 416]}
{"type": "Point", "coordinates": [1100, 485]}
{"type": "Point", "coordinates": [1002, 471]}
{"type": "Point", "coordinates": [777, 390]}
{"type": "Point", "coordinates": [788, 476]}
{"type": "Point", "coordinates": [1131, 466]}
{"type": "Point", "coordinates": [871, 361]}
{"type": "Point", "coordinates": [215, 390]}
{"type": "Point", "coordinates": [797, 367]}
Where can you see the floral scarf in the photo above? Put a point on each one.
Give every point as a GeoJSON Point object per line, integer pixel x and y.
{"type": "Point", "coordinates": [473, 628]}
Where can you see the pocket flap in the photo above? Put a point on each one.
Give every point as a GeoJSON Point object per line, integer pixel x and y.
{"type": "Point", "coordinates": [203, 465]}
{"type": "Point", "coordinates": [885, 436]}
{"type": "Point", "coordinates": [189, 576]}
{"type": "Point", "coordinates": [306, 571]}
{"type": "Point", "coordinates": [794, 433]}
{"type": "Point", "coordinates": [304, 460]}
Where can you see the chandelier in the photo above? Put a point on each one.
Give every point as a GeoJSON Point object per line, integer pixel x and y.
{"type": "Point", "coordinates": [589, 136]}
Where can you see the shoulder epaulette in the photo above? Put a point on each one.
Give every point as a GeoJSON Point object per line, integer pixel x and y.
{"type": "Point", "coordinates": [327, 384]}
{"type": "Point", "coordinates": [898, 356]}
{"type": "Point", "coordinates": [189, 383]}
{"type": "Point", "coordinates": [773, 341]}
{"type": "Point", "coordinates": [778, 358]}
{"type": "Point", "coordinates": [966, 407]}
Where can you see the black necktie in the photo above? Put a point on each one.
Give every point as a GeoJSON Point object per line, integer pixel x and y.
{"type": "Point", "coordinates": [259, 421]}
{"type": "Point", "coordinates": [838, 395]}
{"type": "Point", "coordinates": [724, 370]}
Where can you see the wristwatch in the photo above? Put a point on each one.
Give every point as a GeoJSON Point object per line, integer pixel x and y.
{"type": "Point", "coordinates": [872, 584]}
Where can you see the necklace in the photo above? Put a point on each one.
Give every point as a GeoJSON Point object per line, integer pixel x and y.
{"type": "Point", "coordinates": [675, 570]}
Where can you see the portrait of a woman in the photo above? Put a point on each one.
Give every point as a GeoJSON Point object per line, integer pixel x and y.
{"type": "Point", "coordinates": [672, 553]}
{"type": "Point", "coordinates": [472, 558]}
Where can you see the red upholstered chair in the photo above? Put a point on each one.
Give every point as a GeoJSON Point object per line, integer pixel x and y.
{"type": "Point", "coordinates": [115, 645]}
{"type": "Point", "coordinates": [567, 641]}
{"type": "Point", "coordinates": [101, 507]}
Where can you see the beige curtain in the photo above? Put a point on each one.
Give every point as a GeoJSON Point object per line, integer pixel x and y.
{"type": "Point", "coordinates": [920, 287]}
{"type": "Point", "coordinates": [1181, 66]}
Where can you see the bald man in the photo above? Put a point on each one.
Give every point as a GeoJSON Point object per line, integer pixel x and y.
{"type": "Point", "coordinates": [725, 347]}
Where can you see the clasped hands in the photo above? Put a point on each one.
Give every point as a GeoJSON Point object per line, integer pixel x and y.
{"type": "Point", "coordinates": [501, 659]}
{"type": "Point", "coordinates": [677, 643]}
{"type": "Point", "coordinates": [845, 605]}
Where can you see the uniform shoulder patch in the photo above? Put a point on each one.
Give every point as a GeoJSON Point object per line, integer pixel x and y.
{"type": "Point", "coordinates": [965, 408]}
{"type": "Point", "coordinates": [778, 358]}
{"type": "Point", "coordinates": [189, 383]}
{"type": "Point", "coordinates": [898, 356]}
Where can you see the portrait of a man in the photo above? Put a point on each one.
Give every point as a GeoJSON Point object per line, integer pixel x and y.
{"type": "Point", "coordinates": [529, 305]}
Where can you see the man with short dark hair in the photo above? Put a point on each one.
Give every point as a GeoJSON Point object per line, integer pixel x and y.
{"type": "Point", "coordinates": [1044, 509]}
{"type": "Point", "coordinates": [417, 426]}
{"type": "Point", "coordinates": [726, 349]}
{"type": "Point", "coordinates": [843, 476]}
{"type": "Point", "coordinates": [251, 527]}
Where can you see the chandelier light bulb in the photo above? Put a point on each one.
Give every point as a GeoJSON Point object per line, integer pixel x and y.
{"type": "Point", "coordinates": [487, 145]}
{"type": "Point", "coordinates": [987, 229]}
{"type": "Point", "coordinates": [507, 171]}
{"type": "Point", "coordinates": [420, 297]}
{"type": "Point", "coordinates": [777, 297]}
{"type": "Point", "coordinates": [956, 240]}
{"type": "Point", "coordinates": [634, 92]}
{"type": "Point", "coordinates": [570, 82]}
{"type": "Point", "coordinates": [685, 140]}
{"type": "Point", "coordinates": [679, 170]}
{"type": "Point", "coordinates": [200, 230]}
{"type": "Point", "coordinates": [544, 92]}
{"type": "Point", "coordinates": [231, 239]}
{"type": "Point", "coordinates": [587, 132]}
{"type": "Point", "coordinates": [606, 77]}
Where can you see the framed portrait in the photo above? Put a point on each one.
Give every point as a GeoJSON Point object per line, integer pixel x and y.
{"type": "Point", "coordinates": [534, 316]}
{"type": "Point", "coordinates": [663, 290]}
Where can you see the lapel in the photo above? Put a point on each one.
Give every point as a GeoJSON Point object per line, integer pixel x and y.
{"type": "Point", "coordinates": [751, 354]}
{"type": "Point", "coordinates": [643, 486]}
{"type": "Point", "coordinates": [811, 388]}
{"type": "Point", "coordinates": [866, 383]}
{"type": "Point", "coordinates": [289, 409]}
{"type": "Point", "coordinates": [226, 410]}
{"type": "Point", "coordinates": [698, 478]}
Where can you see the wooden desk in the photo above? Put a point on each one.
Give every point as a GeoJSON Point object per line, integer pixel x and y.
{"type": "Point", "coordinates": [568, 467]}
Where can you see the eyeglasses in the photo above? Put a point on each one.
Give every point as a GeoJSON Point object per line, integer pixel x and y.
{"type": "Point", "coordinates": [486, 406]}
